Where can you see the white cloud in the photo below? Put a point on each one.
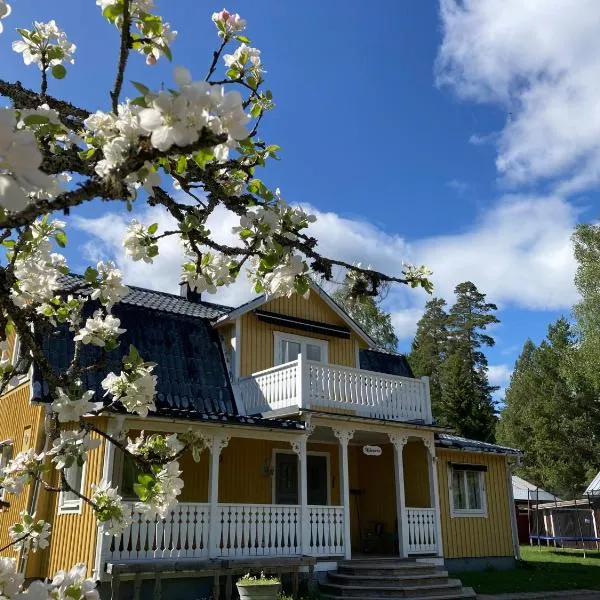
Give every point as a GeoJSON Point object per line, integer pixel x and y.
{"type": "Point", "coordinates": [540, 61]}
{"type": "Point", "coordinates": [518, 253]}
{"type": "Point", "coordinates": [499, 375]}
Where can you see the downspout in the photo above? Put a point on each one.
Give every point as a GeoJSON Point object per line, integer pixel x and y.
{"type": "Point", "coordinates": [513, 514]}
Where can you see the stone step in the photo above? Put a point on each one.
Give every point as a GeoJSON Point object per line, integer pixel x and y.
{"type": "Point", "coordinates": [462, 594]}
{"type": "Point", "coordinates": [422, 590]}
{"type": "Point", "coordinates": [388, 570]}
{"type": "Point", "coordinates": [406, 579]}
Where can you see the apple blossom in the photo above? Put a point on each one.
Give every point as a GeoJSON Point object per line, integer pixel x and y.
{"type": "Point", "coordinates": [100, 330]}
{"type": "Point", "coordinates": [4, 12]}
{"type": "Point", "coordinates": [214, 271]}
{"type": "Point", "coordinates": [72, 409]}
{"type": "Point", "coordinates": [29, 534]}
{"type": "Point", "coordinates": [243, 55]}
{"type": "Point", "coordinates": [46, 45]}
{"type": "Point", "coordinates": [135, 389]}
{"type": "Point", "coordinates": [10, 580]}
{"type": "Point", "coordinates": [73, 585]}
{"type": "Point", "coordinates": [21, 470]}
{"type": "Point", "coordinates": [139, 242]}
{"type": "Point", "coordinates": [110, 288]}
{"type": "Point", "coordinates": [111, 511]}
{"type": "Point", "coordinates": [227, 23]}
{"type": "Point", "coordinates": [156, 447]}
{"type": "Point", "coordinates": [162, 493]}
{"type": "Point", "coordinates": [71, 447]}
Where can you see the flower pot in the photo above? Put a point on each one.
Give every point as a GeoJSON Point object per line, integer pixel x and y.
{"type": "Point", "coordinates": [258, 592]}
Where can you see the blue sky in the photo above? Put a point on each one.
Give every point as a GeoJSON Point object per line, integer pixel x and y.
{"type": "Point", "coordinates": [459, 134]}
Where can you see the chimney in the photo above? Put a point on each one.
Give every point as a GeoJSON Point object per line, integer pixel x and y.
{"type": "Point", "coordinates": [186, 292]}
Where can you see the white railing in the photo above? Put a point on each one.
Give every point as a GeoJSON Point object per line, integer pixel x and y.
{"type": "Point", "coordinates": [243, 530]}
{"type": "Point", "coordinates": [310, 384]}
{"type": "Point", "coordinates": [421, 530]}
{"type": "Point", "coordinates": [326, 526]}
{"type": "Point", "coordinates": [259, 530]}
{"type": "Point", "coordinates": [183, 533]}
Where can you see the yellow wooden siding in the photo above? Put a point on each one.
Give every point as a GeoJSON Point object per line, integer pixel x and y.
{"type": "Point", "coordinates": [73, 536]}
{"type": "Point", "coordinates": [23, 423]}
{"type": "Point", "coordinates": [466, 537]}
{"type": "Point", "coordinates": [257, 345]}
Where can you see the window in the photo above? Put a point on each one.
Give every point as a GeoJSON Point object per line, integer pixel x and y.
{"type": "Point", "coordinates": [6, 452]}
{"type": "Point", "coordinates": [288, 347]}
{"type": "Point", "coordinates": [467, 490]}
{"type": "Point", "coordinates": [69, 501]}
{"type": "Point", "coordinates": [128, 478]}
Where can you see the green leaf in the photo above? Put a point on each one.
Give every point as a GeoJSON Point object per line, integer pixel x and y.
{"type": "Point", "coordinates": [90, 275]}
{"type": "Point", "coordinates": [243, 39]}
{"type": "Point", "coordinates": [233, 73]}
{"type": "Point", "coordinates": [256, 110]}
{"type": "Point", "coordinates": [252, 81]}
{"type": "Point", "coordinates": [8, 243]}
{"type": "Point", "coordinates": [36, 120]}
{"type": "Point", "coordinates": [141, 88]}
{"type": "Point", "coordinates": [246, 233]}
{"type": "Point", "coordinates": [203, 156]}
{"type": "Point", "coordinates": [181, 164]}
{"type": "Point", "coordinates": [59, 72]}
{"type": "Point", "coordinates": [113, 11]}
{"type": "Point", "coordinates": [153, 228]}
{"type": "Point", "coordinates": [61, 238]}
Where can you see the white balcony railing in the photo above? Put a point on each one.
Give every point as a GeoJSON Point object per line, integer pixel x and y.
{"type": "Point", "coordinates": [421, 530]}
{"type": "Point", "coordinates": [243, 530]}
{"type": "Point", "coordinates": [309, 384]}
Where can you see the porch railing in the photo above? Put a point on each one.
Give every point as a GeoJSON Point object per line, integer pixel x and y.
{"type": "Point", "coordinates": [310, 384]}
{"type": "Point", "coordinates": [421, 530]}
{"type": "Point", "coordinates": [243, 530]}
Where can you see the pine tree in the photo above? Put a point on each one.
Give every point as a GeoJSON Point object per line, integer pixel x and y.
{"type": "Point", "coordinates": [429, 348]}
{"type": "Point", "coordinates": [551, 413]}
{"type": "Point", "coordinates": [367, 312]}
{"type": "Point", "coordinates": [466, 402]}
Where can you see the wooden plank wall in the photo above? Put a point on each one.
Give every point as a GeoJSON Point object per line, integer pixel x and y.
{"type": "Point", "coordinates": [469, 537]}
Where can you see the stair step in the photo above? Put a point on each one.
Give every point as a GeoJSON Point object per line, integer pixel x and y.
{"type": "Point", "coordinates": [396, 571]}
{"type": "Point", "coordinates": [463, 594]}
{"type": "Point", "coordinates": [403, 579]}
{"type": "Point", "coordinates": [393, 591]}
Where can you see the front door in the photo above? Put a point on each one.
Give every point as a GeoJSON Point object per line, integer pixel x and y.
{"type": "Point", "coordinates": [286, 479]}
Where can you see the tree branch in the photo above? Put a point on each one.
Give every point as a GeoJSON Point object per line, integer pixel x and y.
{"type": "Point", "coordinates": [123, 55]}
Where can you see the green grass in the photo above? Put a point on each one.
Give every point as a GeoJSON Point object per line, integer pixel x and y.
{"type": "Point", "coordinates": [541, 569]}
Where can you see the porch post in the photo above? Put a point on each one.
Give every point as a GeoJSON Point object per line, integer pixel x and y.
{"type": "Point", "coordinates": [299, 447]}
{"type": "Point", "coordinates": [215, 443]}
{"type": "Point", "coordinates": [399, 440]}
{"type": "Point", "coordinates": [434, 493]}
{"type": "Point", "coordinates": [344, 436]}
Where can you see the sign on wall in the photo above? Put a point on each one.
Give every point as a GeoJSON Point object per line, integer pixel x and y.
{"type": "Point", "coordinates": [372, 450]}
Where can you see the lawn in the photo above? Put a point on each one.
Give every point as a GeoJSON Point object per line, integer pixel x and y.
{"type": "Point", "coordinates": [541, 569]}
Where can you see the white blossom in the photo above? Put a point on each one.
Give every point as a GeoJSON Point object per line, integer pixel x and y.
{"type": "Point", "coordinates": [139, 243]}
{"type": "Point", "coordinates": [45, 45]}
{"type": "Point", "coordinates": [163, 495]}
{"type": "Point", "coordinates": [135, 6]}
{"type": "Point", "coordinates": [243, 55]}
{"type": "Point", "coordinates": [71, 448]}
{"type": "Point", "coordinates": [21, 470]}
{"type": "Point", "coordinates": [29, 533]}
{"type": "Point", "coordinates": [134, 389]}
{"type": "Point", "coordinates": [110, 288]}
{"type": "Point", "coordinates": [4, 12]}
{"type": "Point", "coordinates": [72, 409]}
{"type": "Point", "coordinates": [20, 159]}
{"type": "Point", "coordinates": [100, 330]}
{"type": "Point", "coordinates": [73, 585]}
{"type": "Point", "coordinates": [281, 281]}
{"type": "Point", "coordinates": [10, 580]}
{"type": "Point", "coordinates": [155, 447]}
{"type": "Point", "coordinates": [213, 272]}
{"type": "Point", "coordinates": [110, 510]}
{"type": "Point", "coordinates": [227, 23]}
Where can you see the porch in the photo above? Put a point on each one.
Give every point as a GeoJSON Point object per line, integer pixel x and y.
{"type": "Point", "coordinates": [317, 493]}
{"type": "Point", "coordinates": [307, 384]}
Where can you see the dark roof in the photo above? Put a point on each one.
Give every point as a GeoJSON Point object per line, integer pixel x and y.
{"type": "Point", "coordinates": [191, 370]}
{"type": "Point", "coordinates": [163, 301]}
{"type": "Point", "coordinates": [384, 361]}
{"type": "Point", "coordinates": [454, 441]}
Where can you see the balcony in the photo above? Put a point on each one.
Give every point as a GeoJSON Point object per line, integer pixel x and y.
{"type": "Point", "coordinates": [306, 384]}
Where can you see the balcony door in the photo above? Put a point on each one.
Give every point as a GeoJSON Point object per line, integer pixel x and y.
{"type": "Point", "coordinates": [287, 480]}
{"type": "Point", "coordinates": [289, 346]}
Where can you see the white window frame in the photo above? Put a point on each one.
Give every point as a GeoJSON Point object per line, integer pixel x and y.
{"type": "Point", "coordinates": [70, 507]}
{"type": "Point", "coordinates": [276, 451]}
{"type": "Point", "coordinates": [278, 336]}
{"type": "Point", "coordinates": [467, 512]}
{"type": "Point", "coordinates": [6, 454]}
{"type": "Point", "coordinates": [14, 360]}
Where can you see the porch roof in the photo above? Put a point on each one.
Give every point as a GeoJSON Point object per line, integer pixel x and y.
{"type": "Point", "coordinates": [447, 440]}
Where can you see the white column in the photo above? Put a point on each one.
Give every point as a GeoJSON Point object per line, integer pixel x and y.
{"type": "Point", "coordinates": [344, 436]}
{"type": "Point", "coordinates": [299, 447]}
{"type": "Point", "coordinates": [215, 443]}
{"type": "Point", "coordinates": [399, 440]}
{"type": "Point", "coordinates": [434, 493]}
{"type": "Point", "coordinates": [427, 397]}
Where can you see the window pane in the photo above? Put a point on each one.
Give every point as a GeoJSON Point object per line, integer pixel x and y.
{"type": "Point", "coordinates": [313, 352]}
{"type": "Point", "coordinates": [289, 350]}
{"type": "Point", "coordinates": [73, 476]}
{"type": "Point", "coordinates": [473, 490]}
{"type": "Point", "coordinates": [458, 490]}
{"type": "Point", "coordinates": [129, 477]}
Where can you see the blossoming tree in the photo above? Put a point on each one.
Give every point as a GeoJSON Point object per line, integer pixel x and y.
{"type": "Point", "coordinates": [201, 139]}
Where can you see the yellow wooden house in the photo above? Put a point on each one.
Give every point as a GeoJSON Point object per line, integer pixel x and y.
{"type": "Point", "coordinates": [318, 445]}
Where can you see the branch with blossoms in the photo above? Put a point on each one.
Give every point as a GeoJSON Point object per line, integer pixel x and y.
{"type": "Point", "coordinates": [189, 150]}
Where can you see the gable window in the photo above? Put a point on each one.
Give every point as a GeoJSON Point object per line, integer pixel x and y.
{"type": "Point", "coordinates": [289, 346]}
{"type": "Point", "coordinates": [467, 490]}
{"type": "Point", "coordinates": [69, 501]}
